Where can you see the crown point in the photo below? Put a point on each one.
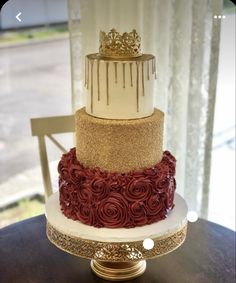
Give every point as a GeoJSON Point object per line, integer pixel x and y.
{"type": "Point", "coordinates": [116, 45]}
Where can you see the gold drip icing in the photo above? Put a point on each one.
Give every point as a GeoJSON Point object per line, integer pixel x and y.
{"type": "Point", "coordinates": [92, 86]}
{"type": "Point", "coordinates": [107, 81]}
{"type": "Point", "coordinates": [137, 85]}
{"type": "Point", "coordinates": [98, 79]}
{"type": "Point", "coordinates": [123, 64]}
{"type": "Point", "coordinates": [142, 75]}
{"type": "Point", "coordinates": [115, 65]}
{"type": "Point", "coordinates": [143, 80]}
{"type": "Point", "coordinates": [131, 73]}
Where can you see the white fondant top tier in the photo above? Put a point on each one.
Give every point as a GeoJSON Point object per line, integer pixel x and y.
{"type": "Point", "coordinates": [119, 88]}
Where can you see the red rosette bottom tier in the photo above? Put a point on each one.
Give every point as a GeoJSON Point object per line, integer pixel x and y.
{"type": "Point", "coordinates": [116, 200]}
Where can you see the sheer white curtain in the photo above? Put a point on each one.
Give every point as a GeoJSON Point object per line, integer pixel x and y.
{"type": "Point", "coordinates": [184, 37]}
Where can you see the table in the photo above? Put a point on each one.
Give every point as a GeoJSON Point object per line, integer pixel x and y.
{"type": "Point", "coordinates": [26, 256]}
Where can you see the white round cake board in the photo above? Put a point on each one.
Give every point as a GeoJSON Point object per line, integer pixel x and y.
{"type": "Point", "coordinates": [174, 221]}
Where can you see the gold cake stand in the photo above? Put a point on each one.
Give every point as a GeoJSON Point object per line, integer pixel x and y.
{"type": "Point", "coordinates": [116, 254]}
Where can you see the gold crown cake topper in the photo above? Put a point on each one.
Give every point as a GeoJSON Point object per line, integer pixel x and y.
{"type": "Point", "coordinates": [116, 45]}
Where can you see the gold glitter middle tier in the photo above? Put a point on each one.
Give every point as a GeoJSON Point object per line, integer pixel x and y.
{"type": "Point", "coordinates": [119, 88]}
{"type": "Point", "coordinates": [119, 145]}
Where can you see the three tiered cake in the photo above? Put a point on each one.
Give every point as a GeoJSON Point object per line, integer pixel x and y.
{"type": "Point", "coordinates": [118, 175]}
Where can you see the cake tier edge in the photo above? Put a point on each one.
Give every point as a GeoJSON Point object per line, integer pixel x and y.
{"type": "Point", "coordinates": [176, 219]}
{"type": "Point", "coordinates": [113, 200]}
{"type": "Point", "coordinates": [119, 145]}
{"type": "Point", "coordinates": [120, 88]}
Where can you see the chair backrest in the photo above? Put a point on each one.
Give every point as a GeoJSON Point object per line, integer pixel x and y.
{"type": "Point", "coordinates": [47, 127]}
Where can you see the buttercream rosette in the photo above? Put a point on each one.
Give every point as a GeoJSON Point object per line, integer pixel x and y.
{"type": "Point", "coordinates": [116, 200]}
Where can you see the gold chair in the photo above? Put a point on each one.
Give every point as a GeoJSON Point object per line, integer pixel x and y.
{"type": "Point", "coordinates": [47, 127]}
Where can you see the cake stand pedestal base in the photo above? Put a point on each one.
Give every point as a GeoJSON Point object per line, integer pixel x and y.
{"type": "Point", "coordinates": [118, 271]}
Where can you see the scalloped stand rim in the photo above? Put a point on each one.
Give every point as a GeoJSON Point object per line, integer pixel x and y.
{"type": "Point", "coordinates": [175, 220]}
